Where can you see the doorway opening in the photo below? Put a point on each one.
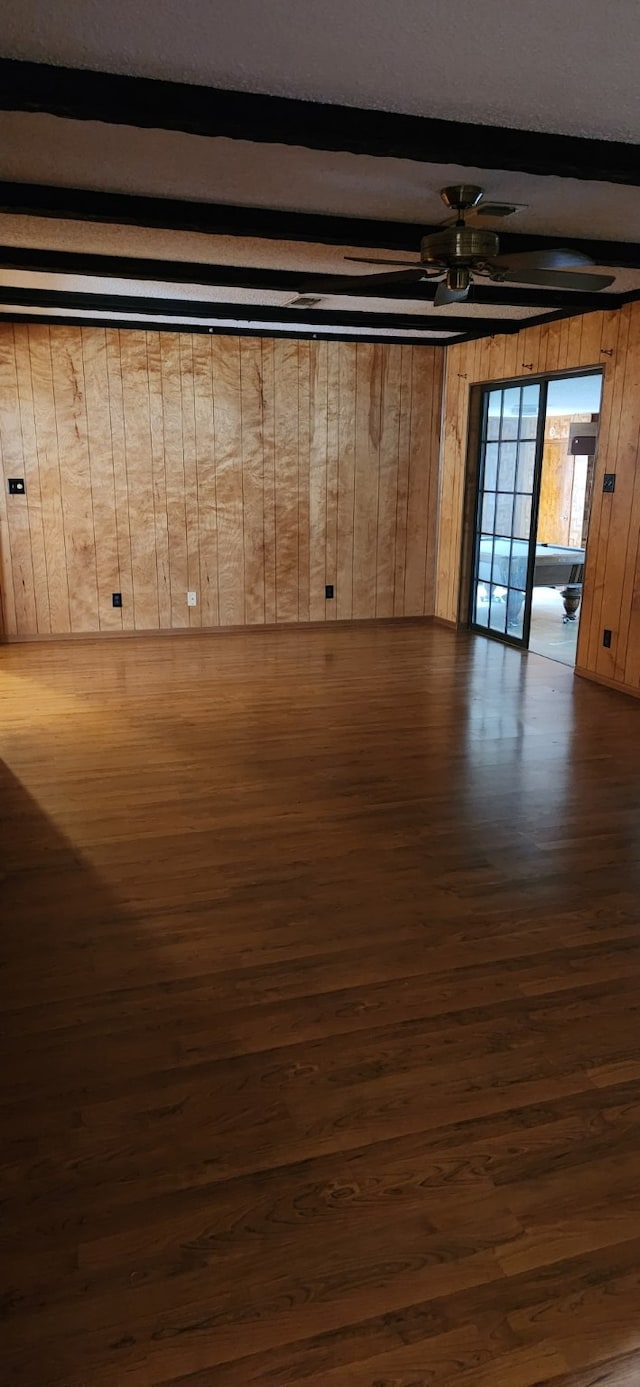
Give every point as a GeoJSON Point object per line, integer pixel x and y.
{"type": "Point", "coordinates": [564, 507]}
{"type": "Point", "coordinates": [536, 459]}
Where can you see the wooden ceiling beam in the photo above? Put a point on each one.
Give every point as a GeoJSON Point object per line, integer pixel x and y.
{"type": "Point", "coordinates": [80, 94]}
{"type": "Point", "coordinates": [262, 223]}
{"type": "Point", "coordinates": [284, 281]}
{"type": "Point", "coordinates": [196, 308]}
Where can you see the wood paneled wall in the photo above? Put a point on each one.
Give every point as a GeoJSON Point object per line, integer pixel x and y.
{"type": "Point", "coordinates": [253, 471]}
{"type": "Point", "coordinates": [612, 578]}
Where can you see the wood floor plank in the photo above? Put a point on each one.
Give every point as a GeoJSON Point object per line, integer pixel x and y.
{"type": "Point", "coordinates": [320, 1010]}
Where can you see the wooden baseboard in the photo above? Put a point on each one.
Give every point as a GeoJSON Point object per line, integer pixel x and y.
{"type": "Point", "coordinates": [606, 681]}
{"type": "Point", "coordinates": [272, 628]}
{"type": "Point", "coordinates": [444, 621]}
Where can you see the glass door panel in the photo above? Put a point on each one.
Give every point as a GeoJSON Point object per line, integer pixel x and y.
{"type": "Point", "coordinates": [509, 455]}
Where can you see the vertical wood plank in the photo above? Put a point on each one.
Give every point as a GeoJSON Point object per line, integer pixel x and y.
{"type": "Point", "coordinates": [46, 440]}
{"type": "Point", "coordinates": [9, 613]}
{"type": "Point", "coordinates": [333, 417]}
{"type": "Point", "coordinates": [77, 500]}
{"type": "Point", "coordinates": [418, 506]}
{"type": "Point", "coordinates": [286, 436]}
{"type": "Point", "coordinates": [460, 388]}
{"type": "Point", "coordinates": [174, 475]}
{"type": "Point", "coordinates": [252, 478]}
{"type": "Point", "coordinates": [451, 461]}
{"type": "Point", "coordinates": [32, 479]}
{"type": "Point", "coordinates": [159, 477]}
{"type": "Point", "coordinates": [21, 609]}
{"type": "Point", "coordinates": [269, 467]}
{"type": "Point", "coordinates": [472, 367]}
{"type": "Point", "coordinates": [402, 490]}
{"type": "Point", "coordinates": [304, 361]}
{"type": "Point", "coordinates": [588, 635]}
{"type": "Point", "coordinates": [346, 479]}
{"type": "Point", "coordinates": [228, 423]}
{"type": "Point", "coordinates": [137, 435]}
{"type": "Point", "coordinates": [494, 356]}
{"type": "Point", "coordinates": [434, 366]}
{"type": "Point", "coordinates": [7, 599]}
{"type": "Point", "coordinates": [94, 353]}
{"type": "Point", "coordinates": [553, 346]}
{"type": "Point", "coordinates": [206, 480]}
{"type": "Point", "coordinates": [537, 348]}
{"type": "Point", "coordinates": [512, 356]}
{"type": "Point", "coordinates": [192, 518]}
{"type": "Point", "coordinates": [318, 423]}
{"type": "Point", "coordinates": [388, 480]}
{"type": "Point", "coordinates": [590, 339]}
{"type": "Point", "coordinates": [611, 411]}
{"type": "Point", "coordinates": [123, 529]}
{"type": "Point", "coordinates": [365, 523]}
{"type": "Point", "coordinates": [570, 330]}
{"type": "Point", "coordinates": [620, 557]}
{"type": "Point", "coordinates": [527, 359]}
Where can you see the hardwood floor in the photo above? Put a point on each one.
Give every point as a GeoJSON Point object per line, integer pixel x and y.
{"type": "Point", "coordinates": [321, 966]}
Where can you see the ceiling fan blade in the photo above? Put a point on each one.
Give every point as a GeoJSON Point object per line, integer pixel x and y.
{"type": "Point", "coordinates": [556, 259]}
{"type": "Point", "coordinates": [366, 284]}
{"type": "Point", "coordinates": [558, 279]}
{"type": "Point", "coordinates": [364, 260]}
{"type": "Point", "coordinates": [446, 295]}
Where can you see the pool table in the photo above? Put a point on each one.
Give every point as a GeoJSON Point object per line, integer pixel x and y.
{"type": "Point", "coordinates": [555, 567]}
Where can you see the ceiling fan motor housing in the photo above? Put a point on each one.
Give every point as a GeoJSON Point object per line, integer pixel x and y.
{"type": "Point", "coordinates": [458, 245]}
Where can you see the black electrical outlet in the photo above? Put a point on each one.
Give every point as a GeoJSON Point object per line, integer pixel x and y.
{"type": "Point", "coordinates": [116, 598]}
{"type": "Point", "coordinates": [328, 592]}
{"type": "Point", "coordinates": [606, 637]}
{"type": "Point", "coordinates": [609, 481]}
{"type": "Point", "coordinates": [16, 486]}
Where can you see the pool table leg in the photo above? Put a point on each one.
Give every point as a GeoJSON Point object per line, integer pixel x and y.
{"type": "Point", "coordinates": [571, 597]}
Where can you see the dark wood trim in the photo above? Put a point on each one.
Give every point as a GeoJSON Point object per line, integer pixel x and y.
{"type": "Point", "coordinates": [246, 277]}
{"type": "Point", "coordinates": [80, 94]}
{"type": "Point", "coordinates": [177, 308]}
{"type": "Point", "coordinates": [469, 516]}
{"type": "Point", "coordinates": [606, 681]}
{"type": "Point", "coordinates": [52, 319]}
{"type": "Point", "coordinates": [206, 218]}
{"type": "Point", "coordinates": [220, 219]}
{"type": "Point", "coordinates": [197, 632]}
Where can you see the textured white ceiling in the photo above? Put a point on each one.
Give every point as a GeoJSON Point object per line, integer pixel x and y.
{"type": "Point", "coordinates": [565, 65]}
{"type": "Point", "coordinates": [245, 298]}
{"type": "Point", "coordinates": [36, 232]}
{"type": "Point", "coordinates": [166, 163]}
{"type": "Point", "coordinates": [558, 65]}
{"type": "Point", "coordinates": [148, 242]}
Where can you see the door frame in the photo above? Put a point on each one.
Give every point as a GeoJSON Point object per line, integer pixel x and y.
{"type": "Point", "coordinates": [470, 532]}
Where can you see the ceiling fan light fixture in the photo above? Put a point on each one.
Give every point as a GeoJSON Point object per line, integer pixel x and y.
{"type": "Point", "coordinates": [456, 251]}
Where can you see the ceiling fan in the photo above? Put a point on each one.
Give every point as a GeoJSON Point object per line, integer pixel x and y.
{"type": "Point", "coordinates": [457, 253]}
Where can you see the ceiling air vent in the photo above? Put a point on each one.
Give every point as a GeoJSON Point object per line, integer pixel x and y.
{"type": "Point", "coordinates": [499, 209]}
{"type": "Point", "coordinates": [305, 301]}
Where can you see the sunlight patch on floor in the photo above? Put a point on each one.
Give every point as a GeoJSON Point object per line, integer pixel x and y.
{"type": "Point", "coordinates": [550, 635]}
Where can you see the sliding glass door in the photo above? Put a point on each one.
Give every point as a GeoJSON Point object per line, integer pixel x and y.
{"type": "Point", "coordinates": [511, 443]}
